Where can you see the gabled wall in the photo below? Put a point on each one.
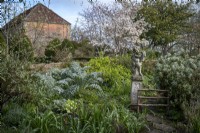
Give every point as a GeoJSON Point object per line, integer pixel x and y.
{"type": "Point", "coordinates": [41, 33]}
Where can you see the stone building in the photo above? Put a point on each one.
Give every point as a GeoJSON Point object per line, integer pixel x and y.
{"type": "Point", "coordinates": [41, 25]}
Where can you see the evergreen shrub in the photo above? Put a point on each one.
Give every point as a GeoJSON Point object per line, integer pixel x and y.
{"type": "Point", "coordinates": [178, 73]}
{"type": "Point", "coordinates": [116, 77]}
{"type": "Point", "coordinates": [14, 80]}
{"type": "Point", "coordinates": [21, 47]}
{"type": "Point", "coordinates": [59, 51]}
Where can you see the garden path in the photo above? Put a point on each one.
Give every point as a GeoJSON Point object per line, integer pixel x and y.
{"type": "Point", "coordinates": [157, 124]}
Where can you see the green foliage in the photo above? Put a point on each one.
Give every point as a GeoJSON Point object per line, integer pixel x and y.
{"type": "Point", "coordinates": [165, 21]}
{"type": "Point", "coordinates": [13, 115]}
{"type": "Point", "coordinates": [195, 80]}
{"type": "Point", "coordinates": [70, 106]}
{"type": "Point", "coordinates": [40, 102]}
{"type": "Point", "coordinates": [46, 122]}
{"type": "Point", "coordinates": [2, 44]}
{"type": "Point", "coordinates": [115, 76]}
{"type": "Point", "coordinates": [90, 96]}
{"type": "Point", "coordinates": [97, 118]}
{"type": "Point", "coordinates": [107, 117]}
{"type": "Point", "coordinates": [177, 74]}
{"type": "Point", "coordinates": [68, 44]}
{"type": "Point", "coordinates": [148, 82]}
{"type": "Point", "coordinates": [21, 47]}
{"type": "Point", "coordinates": [83, 49]}
{"type": "Point", "coordinates": [192, 112]}
{"type": "Point", "coordinates": [152, 54]}
{"type": "Point", "coordinates": [88, 112]}
{"type": "Point", "coordinates": [13, 80]}
{"type": "Point", "coordinates": [59, 51]}
{"type": "Point", "coordinates": [124, 60]}
{"type": "Point", "coordinates": [148, 67]}
{"type": "Point", "coordinates": [62, 51]}
{"type": "Point", "coordinates": [50, 51]}
{"type": "Point", "coordinates": [195, 125]}
{"type": "Point", "coordinates": [50, 110]}
{"type": "Point", "coordinates": [43, 95]}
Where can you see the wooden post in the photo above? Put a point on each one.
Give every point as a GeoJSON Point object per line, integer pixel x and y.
{"type": "Point", "coordinates": [140, 104]}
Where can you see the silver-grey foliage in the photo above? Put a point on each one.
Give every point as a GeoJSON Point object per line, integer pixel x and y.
{"type": "Point", "coordinates": [69, 81]}
{"type": "Point", "coordinates": [180, 74]}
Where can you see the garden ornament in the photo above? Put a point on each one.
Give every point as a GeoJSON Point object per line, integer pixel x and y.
{"type": "Point", "coordinates": [137, 59]}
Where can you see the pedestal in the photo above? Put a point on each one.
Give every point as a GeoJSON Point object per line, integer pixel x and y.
{"type": "Point", "coordinates": [136, 85]}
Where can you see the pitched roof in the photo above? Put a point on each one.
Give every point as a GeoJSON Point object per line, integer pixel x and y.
{"type": "Point", "coordinates": [38, 13]}
{"type": "Point", "coordinates": [43, 14]}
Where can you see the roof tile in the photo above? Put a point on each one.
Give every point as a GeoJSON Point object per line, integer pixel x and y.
{"type": "Point", "coordinates": [40, 13]}
{"type": "Point", "coordinates": [37, 13]}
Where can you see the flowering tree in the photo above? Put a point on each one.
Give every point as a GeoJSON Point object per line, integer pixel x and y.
{"type": "Point", "coordinates": [111, 27]}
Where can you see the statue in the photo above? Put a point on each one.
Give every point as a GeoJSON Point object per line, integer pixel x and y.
{"type": "Point", "coordinates": [137, 59]}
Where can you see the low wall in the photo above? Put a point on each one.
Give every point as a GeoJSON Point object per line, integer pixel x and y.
{"type": "Point", "coordinates": [46, 67]}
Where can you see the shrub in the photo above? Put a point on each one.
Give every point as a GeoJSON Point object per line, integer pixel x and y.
{"type": "Point", "coordinates": [68, 44]}
{"type": "Point", "coordinates": [117, 80]}
{"type": "Point", "coordinates": [13, 80]}
{"type": "Point", "coordinates": [2, 44]}
{"type": "Point", "coordinates": [50, 50]}
{"type": "Point", "coordinates": [152, 54]}
{"type": "Point", "coordinates": [192, 110]}
{"type": "Point", "coordinates": [13, 115]}
{"type": "Point", "coordinates": [59, 51]}
{"type": "Point", "coordinates": [148, 67]}
{"type": "Point", "coordinates": [124, 60]}
{"type": "Point", "coordinates": [177, 74]}
{"type": "Point", "coordinates": [115, 76]}
{"type": "Point", "coordinates": [148, 81]}
{"type": "Point", "coordinates": [195, 125]}
{"type": "Point", "coordinates": [21, 47]}
{"type": "Point", "coordinates": [83, 49]}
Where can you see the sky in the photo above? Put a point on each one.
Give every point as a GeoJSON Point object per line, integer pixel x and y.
{"type": "Point", "coordinates": [69, 9]}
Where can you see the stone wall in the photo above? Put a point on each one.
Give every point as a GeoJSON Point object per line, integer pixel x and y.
{"type": "Point", "coordinates": [46, 67]}
{"type": "Point", "coordinates": [41, 33]}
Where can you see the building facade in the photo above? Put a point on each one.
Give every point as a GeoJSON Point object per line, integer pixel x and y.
{"type": "Point", "coordinates": [41, 25]}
